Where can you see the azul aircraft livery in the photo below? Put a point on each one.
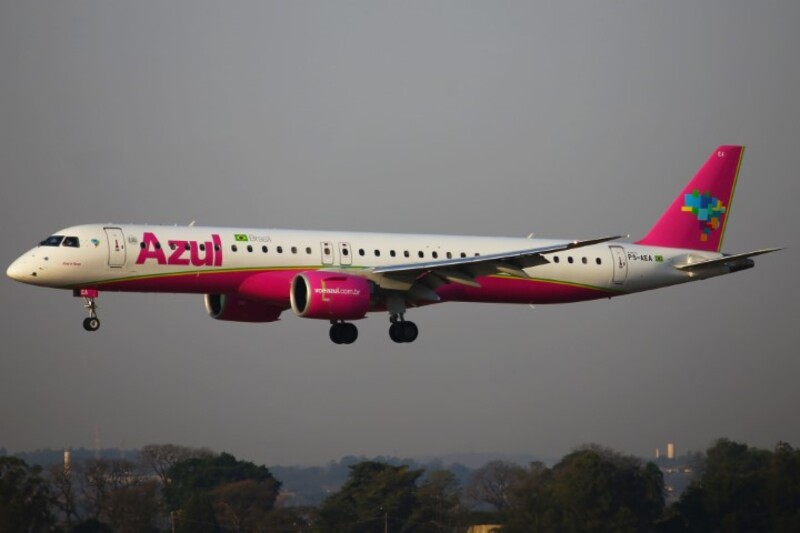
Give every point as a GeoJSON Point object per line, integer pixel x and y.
{"type": "Point", "coordinates": [254, 275]}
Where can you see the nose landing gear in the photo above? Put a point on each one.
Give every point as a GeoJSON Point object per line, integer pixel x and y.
{"type": "Point", "coordinates": [92, 323]}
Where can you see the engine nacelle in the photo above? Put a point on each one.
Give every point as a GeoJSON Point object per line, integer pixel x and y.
{"type": "Point", "coordinates": [330, 296]}
{"type": "Point", "coordinates": [235, 308]}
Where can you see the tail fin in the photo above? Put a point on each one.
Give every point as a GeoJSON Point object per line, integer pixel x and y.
{"type": "Point", "coordinates": [698, 216]}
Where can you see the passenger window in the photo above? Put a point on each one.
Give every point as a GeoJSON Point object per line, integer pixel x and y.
{"type": "Point", "coordinates": [72, 242]}
{"type": "Point", "coordinates": [406, 254]}
{"type": "Point", "coordinates": [463, 254]}
{"type": "Point", "coordinates": [308, 250]}
{"type": "Point", "coordinates": [556, 259]}
{"type": "Point", "coordinates": [377, 253]}
{"type": "Point", "coordinates": [216, 247]}
{"type": "Point", "coordinates": [280, 249]}
{"type": "Point", "coordinates": [141, 245]}
{"type": "Point", "coordinates": [202, 247]}
{"type": "Point", "coordinates": [569, 260]}
{"type": "Point", "coordinates": [435, 255]}
{"type": "Point", "coordinates": [583, 260]}
{"type": "Point", "coordinates": [264, 249]}
{"type": "Point", "coordinates": [171, 245]}
{"type": "Point", "coordinates": [294, 249]}
{"type": "Point", "coordinates": [55, 240]}
{"type": "Point", "coordinates": [449, 255]}
{"type": "Point", "coordinates": [187, 247]}
{"type": "Point", "coordinates": [361, 252]}
{"type": "Point", "coordinates": [598, 261]}
{"type": "Point", "coordinates": [234, 248]}
{"type": "Point", "coordinates": [392, 253]}
{"type": "Point", "coordinates": [421, 254]}
{"type": "Point", "coordinates": [249, 248]}
{"type": "Point", "coordinates": [345, 252]}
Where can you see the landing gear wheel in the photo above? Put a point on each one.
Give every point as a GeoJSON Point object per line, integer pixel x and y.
{"type": "Point", "coordinates": [343, 333]}
{"type": "Point", "coordinates": [350, 333]}
{"type": "Point", "coordinates": [393, 333]}
{"type": "Point", "coordinates": [91, 324]}
{"type": "Point", "coordinates": [403, 332]}
{"type": "Point", "coordinates": [410, 331]}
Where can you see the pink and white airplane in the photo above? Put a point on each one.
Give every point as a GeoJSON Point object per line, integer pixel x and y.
{"type": "Point", "coordinates": [254, 275]}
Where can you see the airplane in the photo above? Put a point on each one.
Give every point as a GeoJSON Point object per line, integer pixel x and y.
{"type": "Point", "coordinates": [254, 275]}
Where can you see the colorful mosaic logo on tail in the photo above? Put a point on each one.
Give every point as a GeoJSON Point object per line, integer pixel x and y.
{"type": "Point", "coordinates": [707, 209]}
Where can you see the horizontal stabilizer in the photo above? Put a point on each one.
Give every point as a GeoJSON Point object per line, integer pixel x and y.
{"type": "Point", "coordinates": [727, 260]}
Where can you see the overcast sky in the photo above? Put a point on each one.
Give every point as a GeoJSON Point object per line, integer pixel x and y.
{"type": "Point", "coordinates": [567, 119]}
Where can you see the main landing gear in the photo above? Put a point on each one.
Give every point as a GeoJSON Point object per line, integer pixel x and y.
{"type": "Point", "coordinates": [343, 332]}
{"type": "Point", "coordinates": [402, 330]}
{"type": "Point", "coordinates": [346, 333]}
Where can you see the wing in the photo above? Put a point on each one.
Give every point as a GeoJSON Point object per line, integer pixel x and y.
{"type": "Point", "coordinates": [420, 279]}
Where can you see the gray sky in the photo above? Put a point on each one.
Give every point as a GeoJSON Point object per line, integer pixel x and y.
{"type": "Point", "coordinates": [567, 119]}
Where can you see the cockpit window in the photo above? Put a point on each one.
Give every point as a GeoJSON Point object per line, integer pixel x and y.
{"type": "Point", "coordinates": [54, 240]}
{"type": "Point", "coordinates": [72, 242]}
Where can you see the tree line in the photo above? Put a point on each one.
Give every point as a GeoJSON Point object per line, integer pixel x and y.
{"type": "Point", "coordinates": [175, 488]}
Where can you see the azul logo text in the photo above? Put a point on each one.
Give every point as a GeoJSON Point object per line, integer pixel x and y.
{"type": "Point", "coordinates": [208, 253]}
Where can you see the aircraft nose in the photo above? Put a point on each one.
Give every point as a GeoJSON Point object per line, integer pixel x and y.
{"type": "Point", "coordinates": [20, 270]}
{"type": "Point", "coordinates": [15, 270]}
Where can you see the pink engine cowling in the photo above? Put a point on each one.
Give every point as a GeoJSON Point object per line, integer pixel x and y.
{"type": "Point", "coordinates": [236, 309]}
{"type": "Point", "coordinates": [330, 296]}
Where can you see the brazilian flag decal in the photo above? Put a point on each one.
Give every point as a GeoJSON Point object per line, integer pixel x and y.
{"type": "Point", "coordinates": [240, 237]}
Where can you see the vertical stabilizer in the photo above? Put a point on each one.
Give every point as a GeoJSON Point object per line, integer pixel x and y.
{"type": "Point", "coordinates": [698, 216]}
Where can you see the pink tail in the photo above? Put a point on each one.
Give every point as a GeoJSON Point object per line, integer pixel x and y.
{"type": "Point", "coordinates": [697, 218]}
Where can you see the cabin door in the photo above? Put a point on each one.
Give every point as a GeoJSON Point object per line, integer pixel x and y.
{"type": "Point", "coordinates": [620, 264]}
{"type": "Point", "coordinates": [116, 247]}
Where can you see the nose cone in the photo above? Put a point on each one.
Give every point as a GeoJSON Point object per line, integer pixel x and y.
{"type": "Point", "coordinates": [21, 270]}
{"type": "Point", "coordinates": [15, 270]}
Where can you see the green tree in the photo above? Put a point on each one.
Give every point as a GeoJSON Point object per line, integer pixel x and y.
{"type": "Point", "coordinates": [743, 489]}
{"type": "Point", "coordinates": [242, 505]}
{"type": "Point", "coordinates": [24, 497]}
{"type": "Point", "coordinates": [532, 505]}
{"type": "Point", "coordinates": [784, 488]}
{"type": "Point", "coordinates": [134, 508]}
{"type": "Point", "coordinates": [197, 516]}
{"type": "Point", "coordinates": [591, 489]}
{"type": "Point", "coordinates": [203, 474]}
{"type": "Point", "coordinates": [374, 494]}
{"type": "Point", "coordinates": [161, 457]}
{"type": "Point", "coordinates": [438, 504]}
{"type": "Point", "coordinates": [492, 483]}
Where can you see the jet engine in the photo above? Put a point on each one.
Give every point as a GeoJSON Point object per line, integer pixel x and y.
{"type": "Point", "coordinates": [234, 308]}
{"type": "Point", "coordinates": [330, 295]}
